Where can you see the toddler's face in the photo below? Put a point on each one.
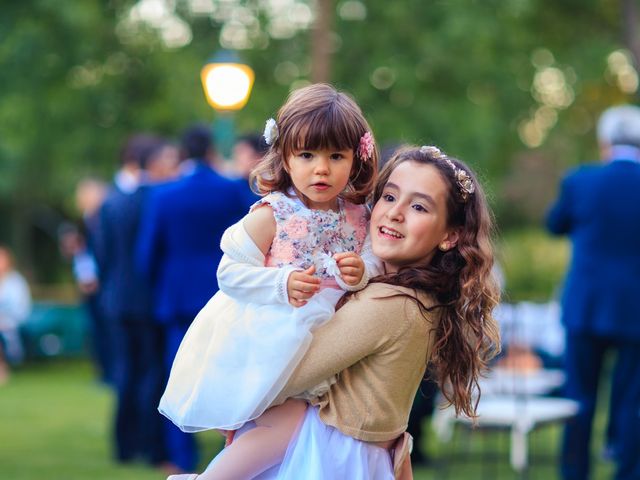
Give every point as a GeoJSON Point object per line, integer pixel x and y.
{"type": "Point", "coordinates": [320, 175]}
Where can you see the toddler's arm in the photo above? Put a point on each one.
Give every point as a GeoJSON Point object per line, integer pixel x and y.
{"type": "Point", "coordinates": [242, 273]}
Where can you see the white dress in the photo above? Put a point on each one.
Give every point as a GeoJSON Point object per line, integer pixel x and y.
{"type": "Point", "coordinates": [321, 452]}
{"type": "Point", "coordinates": [244, 344]}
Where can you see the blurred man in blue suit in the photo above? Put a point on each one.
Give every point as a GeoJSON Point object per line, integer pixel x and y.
{"type": "Point", "coordinates": [599, 208]}
{"type": "Point", "coordinates": [127, 304]}
{"type": "Point", "coordinates": [179, 249]}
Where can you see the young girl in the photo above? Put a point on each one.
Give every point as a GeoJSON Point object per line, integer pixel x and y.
{"type": "Point", "coordinates": [431, 228]}
{"type": "Point", "coordinates": [286, 264]}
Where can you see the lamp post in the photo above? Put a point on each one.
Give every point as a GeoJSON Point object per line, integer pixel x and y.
{"type": "Point", "coordinates": [227, 84]}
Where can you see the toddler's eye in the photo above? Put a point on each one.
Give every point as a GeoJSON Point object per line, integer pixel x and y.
{"type": "Point", "coordinates": [337, 156]}
{"type": "Point", "coordinates": [419, 208]}
{"type": "Point", "coordinates": [305, 155]}
{"type": "Point", "coordinates": [387, 197]}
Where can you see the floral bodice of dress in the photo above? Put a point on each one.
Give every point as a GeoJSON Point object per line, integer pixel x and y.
{"type": "Point", "coordinates": [306, 237]}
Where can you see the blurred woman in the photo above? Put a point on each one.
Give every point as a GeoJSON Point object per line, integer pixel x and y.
{"type": "Point", "coordinates": [15, 307]}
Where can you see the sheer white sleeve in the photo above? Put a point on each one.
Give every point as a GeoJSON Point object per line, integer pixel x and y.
{"type": "Point", "coordinates": [242, 273]}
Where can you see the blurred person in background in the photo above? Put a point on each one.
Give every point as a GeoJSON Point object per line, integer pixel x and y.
{"type": "Point", "coordinates": [423, 407]}
{"type": "Point", "coordinates": [15, 307]}
{"type": "Point", "coordinates": [599, 207]}
{"type": "Point", "coordinates": [90, 195]}
{"type": "Point", "coordinates": [247, 152]}
{"type": "Point", "coordinates": [127, 304]}
{"type": "Point", "coordinates": [178, 250]}
{"type": "Point", "coordinates": [78, 245]}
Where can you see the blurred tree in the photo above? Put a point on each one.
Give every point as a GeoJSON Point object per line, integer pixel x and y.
{"type": "Point", "coordinates": [511, 86]}
{"type": "Point", "coordinates": [321, 48]}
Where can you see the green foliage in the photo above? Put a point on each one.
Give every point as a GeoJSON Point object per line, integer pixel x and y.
{"type": "Point", "coordinates": [458, 74]}
{"type": "Point", "coordinates": [534, 264]}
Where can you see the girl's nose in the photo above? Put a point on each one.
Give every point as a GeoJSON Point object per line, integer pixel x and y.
{"type": "Point", "coordinates": [322, 166]}
{"type": "Point", "coordinates": [395, 213]}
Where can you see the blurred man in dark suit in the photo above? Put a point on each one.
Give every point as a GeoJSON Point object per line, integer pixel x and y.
{"type": "Point", "coordinates": [179, 249]}
{"type": "Point", "coordinates": [599, 208]}
{"type": "Point", "coordinates": [127, 303]}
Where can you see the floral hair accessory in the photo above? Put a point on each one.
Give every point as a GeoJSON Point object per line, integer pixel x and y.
{"type": "Point", "coordinates": [365, 148]}
{"type": "Point", "coordinates": [430, 149]}
{"type": "Point", "coordinates": [463, 179]}
{"type": "Point", "coordinates": [271, 132]}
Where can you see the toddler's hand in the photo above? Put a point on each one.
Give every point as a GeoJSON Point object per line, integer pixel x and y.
{"type": "Point", "coordinates": [301, 286]}
{"type": "Point", "coordinates": [351, 267]}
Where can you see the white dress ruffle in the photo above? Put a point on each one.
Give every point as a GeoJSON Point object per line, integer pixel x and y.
{"type": "Point", "coordinates": [321, 452]}
{"type": "Point", "coordinates": [236, 357]}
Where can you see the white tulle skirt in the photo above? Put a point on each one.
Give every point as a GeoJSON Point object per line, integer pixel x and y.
{"type": "Point", "coordinates": [236, 357]}
{"type": "Point", "coordinates": [320, 452]}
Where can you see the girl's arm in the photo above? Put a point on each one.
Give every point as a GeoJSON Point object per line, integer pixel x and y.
{"type": "Point", "coordinates": [242, 273]}
{"type": "Point", "coordinates": [363, 326]}
{"type": "Point", "coordinates": [261, 227]}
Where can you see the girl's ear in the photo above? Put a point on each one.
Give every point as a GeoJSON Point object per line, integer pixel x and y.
{"type": "Point", "coordinates": [452, 237]}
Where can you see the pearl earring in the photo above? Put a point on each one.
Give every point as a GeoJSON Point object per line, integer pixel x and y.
{"type": "Point", "coordinates": [444, 246]}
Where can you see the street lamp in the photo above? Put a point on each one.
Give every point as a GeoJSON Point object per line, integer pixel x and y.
{"type": "Point", "coordinates": [227, 85]}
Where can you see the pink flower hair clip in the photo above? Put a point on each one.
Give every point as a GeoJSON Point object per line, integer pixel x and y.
{"type": "Point", "coordinates": [365, 148]}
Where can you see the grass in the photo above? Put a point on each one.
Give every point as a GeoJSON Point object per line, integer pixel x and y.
{"type": "Point", "coordinates": [55, 425]}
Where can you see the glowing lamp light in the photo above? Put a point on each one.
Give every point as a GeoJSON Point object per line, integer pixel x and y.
{"type": "Point", "coordinates": [227, 86]}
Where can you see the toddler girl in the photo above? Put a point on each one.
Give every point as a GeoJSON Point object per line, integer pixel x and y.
{"type": "Point", "coordinates": [286, 264]}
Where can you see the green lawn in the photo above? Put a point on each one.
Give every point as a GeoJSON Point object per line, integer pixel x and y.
{"type": "Point", "coordinates": [55, 424]}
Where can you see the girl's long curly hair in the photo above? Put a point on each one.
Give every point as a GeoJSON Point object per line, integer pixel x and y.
{"type": "Point", "coordinates": [460, 279]}
{"type": "Point", "coordinates": [316, 117]}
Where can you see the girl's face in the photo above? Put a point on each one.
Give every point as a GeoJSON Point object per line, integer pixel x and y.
{"type": "Point", "coordinates": [319, 176]}
{"type": "Point", "coordinates": [409, 220]}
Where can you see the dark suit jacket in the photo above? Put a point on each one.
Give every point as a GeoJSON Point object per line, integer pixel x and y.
{"type": "Point", "coordinates": [599, 207]}
{"type": "Point", "coordinates": [124, 292]}
{"type": "Point", "coordinates": [179, 242]}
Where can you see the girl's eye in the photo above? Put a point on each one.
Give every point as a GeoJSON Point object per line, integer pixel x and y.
{"type": "Point", "coordinates": [336, 156]}
{"type": "Point", "coordinates": [387, 197]}
{"type": "Point", "coordinates": [306, 155]}
{"type": "Point", "coordinates": [419, 207]}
